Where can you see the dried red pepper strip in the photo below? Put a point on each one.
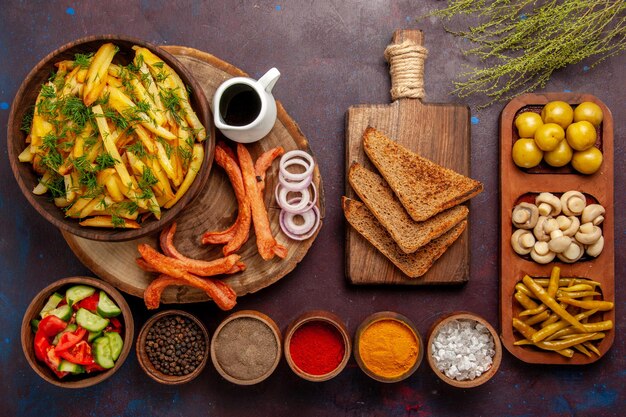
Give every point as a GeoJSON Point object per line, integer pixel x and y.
{"type": "Point", "coordinates": [171, 267]}
{"type": "Point", "coordinates": [266, 243]}
{"type": "Point", "coordinates": [236, 235]}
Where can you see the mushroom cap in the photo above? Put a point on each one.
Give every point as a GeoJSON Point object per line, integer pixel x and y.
{"type": "Point", "coordinates": [539, 231]}
{"type": "Point", "coordinates": [573, 252]}
{"type": "Point", "coordinates": [522, 241]}
{"type": "Point", "coordinates": [560, 244]}
{"type": "Point", "coordinates": [548, 204]}
{"type": "Point", "coordinates": [525, 215]}
{"type": "Point", "coordinates": [573, 227]}
{"type": "Point", "coordinates": [595, 249]}
{"type": "Point", "coordinates": [573, 203]}
{"type": "Point", "coordinates": [593, 213]}
{"type": "Point", "coordinates": [550, 226]}
{"type": "Point", "coordinates": [588, 234]}
{"type": "Point", "coordinates": [541, 253]}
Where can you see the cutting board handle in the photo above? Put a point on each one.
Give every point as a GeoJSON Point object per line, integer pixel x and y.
{"type": "Point", "coordinates": [406, 55]}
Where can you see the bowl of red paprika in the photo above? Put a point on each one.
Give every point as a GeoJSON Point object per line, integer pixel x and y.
{"type": "Point", "coordinates": [65, 349]}
{"type": "Point", "coordinates": [317, 346]}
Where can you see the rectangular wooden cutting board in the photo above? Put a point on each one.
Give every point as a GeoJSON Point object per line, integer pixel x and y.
{"type": "Point", "coordinates": [440, 132]}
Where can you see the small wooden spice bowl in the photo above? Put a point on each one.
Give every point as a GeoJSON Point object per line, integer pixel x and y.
{"type": "Point", "coordinates": [392, 316]}
{"type": "Point", "coordinates": [264, 319]}
{"type": "Point", "coordinates": [25, 99]}
{"type": "Point", "coordinates": [28, 337]}
{"type": "Point", "coordinates": [146, 364]}
{"type": "Point", "coordinates": [485, 376]}
{"type": "Point", "coordinates": [325, 317]}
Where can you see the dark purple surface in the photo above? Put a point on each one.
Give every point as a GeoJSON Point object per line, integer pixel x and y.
{"type": "Point", "coordinates": [330, 55]}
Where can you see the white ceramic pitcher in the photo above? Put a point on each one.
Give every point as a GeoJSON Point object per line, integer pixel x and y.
{"type": "Point", "coordinates": [244, 109]}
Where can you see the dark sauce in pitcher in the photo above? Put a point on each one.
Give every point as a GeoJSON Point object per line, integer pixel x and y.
{"type": "Point", "coordinates": [240, 105]}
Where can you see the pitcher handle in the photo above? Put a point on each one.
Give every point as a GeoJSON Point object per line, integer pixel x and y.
{"type": "Point", "coordinates": [269, 79]}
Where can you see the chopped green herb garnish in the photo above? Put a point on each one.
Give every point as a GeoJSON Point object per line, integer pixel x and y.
{"type": "Point", "coordinates": [138, 149]}
{"type": "Point", "coordinates": [27, 120]}
{"type": "Point", "coordinates": [83, 60]}
{"type": "Point", "coordinates": [104, 160]}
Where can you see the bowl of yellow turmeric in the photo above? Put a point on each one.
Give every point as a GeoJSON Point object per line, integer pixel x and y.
{"type": "Point", "coordinates": [388, 347]}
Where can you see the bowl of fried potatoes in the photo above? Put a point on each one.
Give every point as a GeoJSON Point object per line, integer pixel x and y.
{"type": "Point", "coordinates": [110, 137]}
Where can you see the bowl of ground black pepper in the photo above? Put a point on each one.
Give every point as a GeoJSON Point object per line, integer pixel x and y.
{"type": "Point", "coordinates": [246, 347]}
{"type": "Point", "coordinates": [317, 346]}
{"type": "Point", "coordinates": [173, 347]}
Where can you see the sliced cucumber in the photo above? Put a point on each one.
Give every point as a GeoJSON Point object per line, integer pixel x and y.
{"type": "Point", "coordinates": [70, 328]}
{"type": "Point", "coordinates": [51, 304]}
{"type": "Point", "coordinates": [64, 312]}
{"type": "Point", "coordinates": [91, 322]}
{"type": "Point", "coordinates": [67, 366]}
{"type": "Point", "coordinates": [116, 342]}
{"type": "Point", "coordinates": [34, 325]}
{"type": "Point", "coordinates": [102, 352]}
{"type": "Point", "coordinates": [106, 306]}
{"type": "Point", "coordinates": [93, 336]}
{"type": "Point", "coordinates": [77, 293]}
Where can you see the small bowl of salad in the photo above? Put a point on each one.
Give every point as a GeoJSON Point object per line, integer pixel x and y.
{"type": "Point", "coordinates": [77, 332]}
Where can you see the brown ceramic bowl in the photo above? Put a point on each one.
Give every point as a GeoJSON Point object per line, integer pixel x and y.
{"type": "Point", "coordinates": [267, 321]}
{"type": "Point", "coordinates": [147, 365]}
{"type": "Point", "coordinates": [24, 100]}
{"type": "Point", "coordinates": [485, 376]}
{"type": "Point", "coordinates": [380, 316]}
{"type": "Point", "coordinates": [32, 312]}
{"type": "Point", "coordinates": [318, 316]}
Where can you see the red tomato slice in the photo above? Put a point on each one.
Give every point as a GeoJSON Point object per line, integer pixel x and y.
{"type": "Point", "coordinates": [53, 362]}
{"type": "Point", "coordinates": [79, 354]}
{"type": "Point", "coordinates": [70, 339]}
{"type": "Point", "coordinates": [41, 345]}
{"type": "Point", "coordinates": [90, 303]}
{"type": "Point", "coordinates": [50, 326]}
{"type": "Point", "coordinates": [114, 325]}
{"type": "Point", "coordinates": [93, 367]}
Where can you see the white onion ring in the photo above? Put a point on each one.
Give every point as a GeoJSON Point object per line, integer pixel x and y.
{"type": "Point", "coordinates": [305, 235]}
{"type": "Point", "coordinates": [294, 186]}
{"type": "Point", "coordinates": [292, 158]}
{"type": "Point", "coordinates": [301, 204]}
{"type": "Point", "coordinates": [308, 217]}
{"type": "Point", "coordinates": [281, 197]}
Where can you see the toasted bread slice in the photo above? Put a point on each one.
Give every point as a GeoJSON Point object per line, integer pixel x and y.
{"type": "Point", "coordinates": [423, 187]}
{"type": "Point", "coordinates": [382, 203]}
{"type": "Point", "coordinates": [413, 264]}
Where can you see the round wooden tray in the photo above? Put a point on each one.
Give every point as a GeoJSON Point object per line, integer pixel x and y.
{"type": "Point", "coordinates": [515, 182]}
{"type": "Point", "coordinates": [215, 208]}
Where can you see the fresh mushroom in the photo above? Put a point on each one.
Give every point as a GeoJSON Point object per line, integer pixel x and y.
{"type": "Point", "coordinates": [595, 249]}
{"type": "Point", "coordinates": [588, 234]}
{"type": "Point", "coordinates": [573, 203]}
{"type": "Point", "coordinates": [541, 253]}
{"type": "Point", "coordinates": [522, 241]}
{"type": "Point", "coordinates": [568, 225]}
{"type": "Point", "coordinates": [558, 242]}
{"type": "Point", "coordinates": [593, 213]}
{"type": "Point", "coordinates": [539, 231]}
{"type": "Point", "coordinates": [548, 204]}
{"type": "Point", "coordinates": [573, 252]}
{"type": "Point", "coordinates": [550, 225]}
{"type": "Point", "coordinates": [525, 215]}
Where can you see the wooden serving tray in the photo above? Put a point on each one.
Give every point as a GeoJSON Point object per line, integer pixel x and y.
{"type": "Point", "coordinates": [515, 182]}
{"type": "Point", "coordinates": [215, 208]}
{"type": "Point", "coordinates": [439, 132]}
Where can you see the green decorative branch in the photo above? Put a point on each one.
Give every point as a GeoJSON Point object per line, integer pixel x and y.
{"type": "Point", "coordinates": [522, 42]}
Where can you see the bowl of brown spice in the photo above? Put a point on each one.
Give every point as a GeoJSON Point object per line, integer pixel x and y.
{"type": "Point", "coordinates": [173, 347]}
{"type": "Point", "coordinates": [246, 347]}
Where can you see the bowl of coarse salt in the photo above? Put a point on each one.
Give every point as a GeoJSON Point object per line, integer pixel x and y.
{"type": "Point", "coordinates": [463, 350]}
